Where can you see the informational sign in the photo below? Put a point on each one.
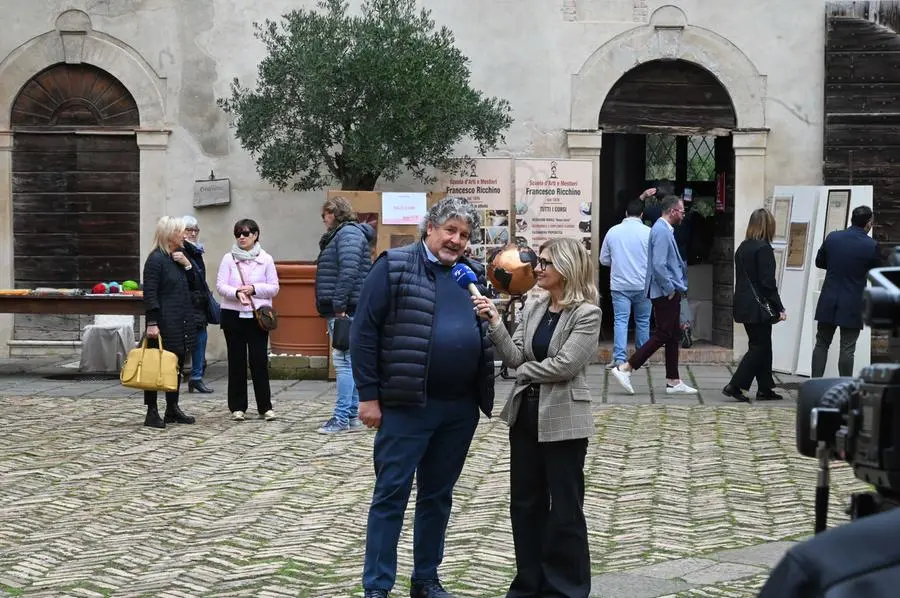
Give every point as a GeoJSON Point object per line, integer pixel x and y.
{"type": "Point", "coordinates": [402, 208]}
{"type": "Point", "coordinates": [796, 254]}
{"type": "Point", "coordinates": [553, 199]}
{"type": "Point", "coordinates": [487, 184]}
{"type": "Point", "coordinates": [212, 192]}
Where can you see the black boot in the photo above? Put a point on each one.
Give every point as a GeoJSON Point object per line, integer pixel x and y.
{"type": "Point", "coordinates": [175, 415]}
{"type": "Point", "coordinates": [200, 386]}
{"type": "Point", "coordinates": [430, 588]}
{"type": "Point", "coordinates": [153, 420]}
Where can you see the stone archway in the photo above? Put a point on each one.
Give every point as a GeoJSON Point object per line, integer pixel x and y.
{"type": "Point", "coordinates": [74, 41]}
{"type": "Point", "coordinates": [669, 37]}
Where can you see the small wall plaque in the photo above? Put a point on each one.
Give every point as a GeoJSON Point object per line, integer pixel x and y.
{"type": "Point", "coordinates": [212, 192]}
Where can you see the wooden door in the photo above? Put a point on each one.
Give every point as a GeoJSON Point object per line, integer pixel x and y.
{"type": "Point", "coordinates": [76, 189]}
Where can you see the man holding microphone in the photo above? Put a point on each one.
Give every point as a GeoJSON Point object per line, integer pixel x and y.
{"type": "Point", "coordinates": [423, 366]}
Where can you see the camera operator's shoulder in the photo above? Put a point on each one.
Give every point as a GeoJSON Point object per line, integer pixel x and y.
{"type": "Point", "coordinates": [857, 559]}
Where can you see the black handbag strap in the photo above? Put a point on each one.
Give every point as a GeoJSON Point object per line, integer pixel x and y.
{"type": "Point", "coordinates": [762, 304]}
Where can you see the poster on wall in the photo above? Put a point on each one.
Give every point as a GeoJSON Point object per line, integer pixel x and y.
{"type": "Point", "coordinates": [553, 199]}
{"type": "Point", "coordinates": [487, 184]}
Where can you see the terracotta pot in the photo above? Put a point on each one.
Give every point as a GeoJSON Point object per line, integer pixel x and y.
{"type": "Point", "coordinates": [301, 330]}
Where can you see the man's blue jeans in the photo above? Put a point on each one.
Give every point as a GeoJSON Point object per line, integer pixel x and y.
{"type": "Point", "coordinates": [623, 302]}
{"type": "Point", "coordinates": [429, 443]}
{"type": "Point", "coordinates": [346, 407]}
{"type": "Point", "coordinates": [198, 355]}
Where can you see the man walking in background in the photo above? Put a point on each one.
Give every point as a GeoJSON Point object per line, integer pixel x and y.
{"type": "Point", "coordinates": [624, 251]}
{"type": "Point", "coordinates": [666, 282]}
{"type": "Point", "coordinates": [846, 256]}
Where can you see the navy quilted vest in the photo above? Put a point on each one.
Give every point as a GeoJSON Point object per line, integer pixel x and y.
{"type": "Point", "coordinates": [406, 335]}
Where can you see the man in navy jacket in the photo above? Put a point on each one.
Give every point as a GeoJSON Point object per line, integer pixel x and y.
{"type": "Point", "coordinates": [846, 256]}
{"type": "Point", "coordinates": [851, 561]}
{"type": "Point", "coordinates": [423, 365]}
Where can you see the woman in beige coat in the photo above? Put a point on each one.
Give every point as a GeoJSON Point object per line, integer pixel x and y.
{"type": "Point", "coordinates": [550, 420]}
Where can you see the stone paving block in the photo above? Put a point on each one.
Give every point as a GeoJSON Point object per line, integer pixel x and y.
{"type": "Point", "coordinates": [619, 585]}
{"type": "Point", "coordinates": [673, 569]}
{"type": "Point", "coordinates": [720, 573]}
{"type": "Point", "coordinates": [766, 555]}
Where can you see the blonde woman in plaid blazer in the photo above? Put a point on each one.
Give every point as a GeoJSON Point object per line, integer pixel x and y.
{"type": "Point", "coordinates": [550, 420]}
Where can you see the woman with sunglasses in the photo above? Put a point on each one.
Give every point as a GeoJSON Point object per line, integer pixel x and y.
{"type": "Point", "coordinates": [246, 281]}
{"type": "Point", "coordinates": [550, 420]}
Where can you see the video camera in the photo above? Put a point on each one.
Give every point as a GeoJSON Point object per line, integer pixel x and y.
{"type": "Point", "coordinates": [857, 420]}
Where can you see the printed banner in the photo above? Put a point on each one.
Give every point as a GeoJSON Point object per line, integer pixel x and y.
{"type": "Point", "coordinates": [487, 184]}
{"type": "Point", "coordinates": [553, 199]}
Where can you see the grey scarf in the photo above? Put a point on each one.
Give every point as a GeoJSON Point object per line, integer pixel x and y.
{"type": "Point", "coordinates": [241, 255]}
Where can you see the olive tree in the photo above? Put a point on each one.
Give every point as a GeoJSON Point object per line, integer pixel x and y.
{"type": "Point", "coordinates": [355, 97]}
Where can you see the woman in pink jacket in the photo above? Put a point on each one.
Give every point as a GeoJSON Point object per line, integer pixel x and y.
{"type": "Point", "coordinates": [247, 280]}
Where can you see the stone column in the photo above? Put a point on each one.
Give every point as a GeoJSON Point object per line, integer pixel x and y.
{"type": "Point", "coordinates": [6, 233]}
{"type": "Point", "coordinates": [152, 144]}
{"type": "Point", "coordinates": [587, 145]}
{"type": "Point", "coordinates": [749, 194]}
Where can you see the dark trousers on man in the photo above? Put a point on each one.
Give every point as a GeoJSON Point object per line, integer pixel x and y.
{"type": "Point", "coordinates": [243, 336]}
{"type": "Point", "coordinates": [757, 361]}
{"type": "Point", "coordinates": [667, 313]}
{"type": "Point", "coordinates": [547, 512]}
{"type": "Point", "coordinates": [824, 335]}
{"type": "Point", "coordinates": [430, 443]}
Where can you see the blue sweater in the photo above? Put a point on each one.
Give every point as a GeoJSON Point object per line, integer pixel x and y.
{"type": "Point", "coordinates": [455, 354]}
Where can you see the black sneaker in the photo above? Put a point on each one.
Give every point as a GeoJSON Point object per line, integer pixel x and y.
{"type": "Point", "coordinates": [376, 594]}
{"type": "Point", "coordinates": [430, 588]}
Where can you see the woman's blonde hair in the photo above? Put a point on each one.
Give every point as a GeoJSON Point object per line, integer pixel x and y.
{"type": "Point", "coordinates": [574, 263]}
{"type": "Point", "coordinates": [166, 228]}
{"type": "Point", "coordinates": [761, 226]}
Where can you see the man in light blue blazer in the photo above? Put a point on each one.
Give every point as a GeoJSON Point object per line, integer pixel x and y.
{"type": "Point", "coordinates": [666, 282]}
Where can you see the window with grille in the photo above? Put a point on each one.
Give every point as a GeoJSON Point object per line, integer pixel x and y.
{"type": "Point", "coordinates": [701, 158]}
{"type": "Point", "coordinates": [660, 157]}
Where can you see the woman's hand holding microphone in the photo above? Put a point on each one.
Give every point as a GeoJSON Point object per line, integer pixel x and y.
{"type": "Point", "coordinates": [486, 309]}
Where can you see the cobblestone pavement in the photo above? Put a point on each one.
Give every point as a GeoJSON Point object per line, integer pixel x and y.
{"type": "Point", "coordinates": [94, 504]}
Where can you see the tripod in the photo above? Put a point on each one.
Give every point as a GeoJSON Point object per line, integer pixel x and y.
{"type": "Point", "coordinates": [507, 315]}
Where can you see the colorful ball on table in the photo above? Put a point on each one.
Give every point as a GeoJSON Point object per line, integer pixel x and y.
{"type": "Point", "coordinates": [100, 289]}
{"type": "Point", "coordinates": [130, 285]}
{"type": "Point", "coordinates": [114, 287]}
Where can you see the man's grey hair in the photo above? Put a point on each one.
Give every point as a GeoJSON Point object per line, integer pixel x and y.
{"type": "Point", "coordinates": [190, 222]}
{"type": "Point", "coordinates": [448, 208]}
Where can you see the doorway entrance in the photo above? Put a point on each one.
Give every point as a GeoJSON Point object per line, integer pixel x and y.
{"type": "Point", "coordinates": [668, 123]}
{"type": "Point", "coordinates": [75, 189]}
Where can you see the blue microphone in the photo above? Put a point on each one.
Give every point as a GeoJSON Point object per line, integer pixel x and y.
{"type": "Point", "coordinates": [465, 277]}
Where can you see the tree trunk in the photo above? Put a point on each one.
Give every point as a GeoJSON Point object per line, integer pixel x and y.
{"type": "Point", "coordinates": [359, 181]}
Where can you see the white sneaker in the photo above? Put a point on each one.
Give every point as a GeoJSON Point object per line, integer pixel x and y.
{"type": "Point", "coordinates": [623, 378]}
{"type": "Point", "coordinates": [680, 389]}
{"type": "Point", "coordinates": [268, 415]}
{"type": "Point", "coordinates": [238, 416]}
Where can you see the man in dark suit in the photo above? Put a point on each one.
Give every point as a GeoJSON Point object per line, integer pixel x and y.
{"type": "Point", "coordinates": [846, 256]}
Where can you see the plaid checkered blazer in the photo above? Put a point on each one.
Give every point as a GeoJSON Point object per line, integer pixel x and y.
{"type": "Point", "coordinates": [564, 408]}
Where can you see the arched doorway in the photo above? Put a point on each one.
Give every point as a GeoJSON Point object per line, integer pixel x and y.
{"type": "Point", "coordinates": [75, 189]}
{"type": "Point", "coordinates": [671, 120]}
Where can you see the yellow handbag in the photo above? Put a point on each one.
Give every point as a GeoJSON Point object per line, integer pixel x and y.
{"type": "Point", "coordinates": [153, 369]}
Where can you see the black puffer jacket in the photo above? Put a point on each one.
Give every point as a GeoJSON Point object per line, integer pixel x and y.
{"type": "Point", "coordinates": [168, 301]}
{"type": "Point", "coordinates": [342, 266]}
{"type": "Point", "coordinates": [200, 293]}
